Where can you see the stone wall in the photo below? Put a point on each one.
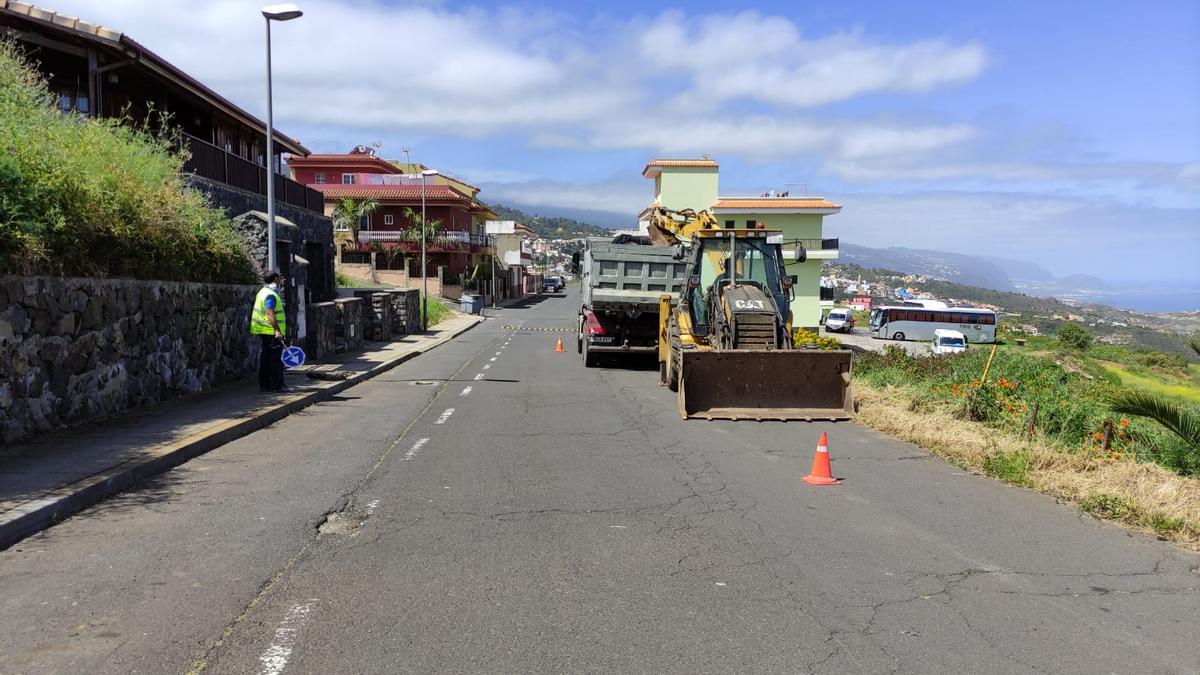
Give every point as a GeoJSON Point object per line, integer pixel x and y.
{"type": "Point", "coordinates": [350, 331]}
{"type": "Point", "coordinates": [80, 350]}
{"type": "Point", "coordinates": [334, 327]}
{"type": "Point", "coordinates": [406, 311]}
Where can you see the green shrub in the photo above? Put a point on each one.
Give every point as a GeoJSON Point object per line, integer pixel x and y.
{"type": "Point", "coordinates": [1075, 336]}
{"type": "Point", "coordinates": [1112, 507]}
{"type": "Point", "coordinates": [1010, 467]}
{"type": "Point", "coordinates": [804, 338]}
{"type": "Point", "coordinates": [435, 310]}
{"type": "Point", "coordinates": [87, 197]}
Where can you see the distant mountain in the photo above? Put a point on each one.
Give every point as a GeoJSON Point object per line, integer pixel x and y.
{"type": "Point", "coordinates": [1080, 282]}
{"type": "Point", "coordinates": [601, 219]}
{"type": "Point", "coordinates": [957, 267]}
{"type": "Point", "coordinates": [1019, 270]}
{"type": "Point", "coordinates": [553, 227]}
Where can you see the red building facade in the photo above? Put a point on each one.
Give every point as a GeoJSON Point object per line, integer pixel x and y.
{"type": "Point", "coordinates": [361, 175]}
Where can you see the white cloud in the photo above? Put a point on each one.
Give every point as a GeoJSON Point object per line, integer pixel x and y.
{"type": "Point", "coordinates": [763, 58]}
{"type": "Point", "coordinates": [664, 84]}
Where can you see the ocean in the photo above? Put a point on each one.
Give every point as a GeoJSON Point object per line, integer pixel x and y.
{"type": "Point", "coordinates": [1142, 300]}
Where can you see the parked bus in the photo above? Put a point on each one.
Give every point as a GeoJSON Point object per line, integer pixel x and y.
{"type": "Point", "coordinates": [918, 323]}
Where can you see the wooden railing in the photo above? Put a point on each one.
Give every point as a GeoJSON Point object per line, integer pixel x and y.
{"type": "Point", "coordinates": [214, 163]}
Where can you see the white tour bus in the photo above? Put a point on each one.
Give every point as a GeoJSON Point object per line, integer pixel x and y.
{"type": "Point", "coordinates": [918, 323]}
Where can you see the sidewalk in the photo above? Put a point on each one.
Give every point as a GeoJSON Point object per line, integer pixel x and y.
{"type": "Point", "coordinates": [52, 477]}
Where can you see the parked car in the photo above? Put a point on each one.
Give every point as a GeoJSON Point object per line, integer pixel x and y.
{"type": "Point", "coordinates": [948, 342]}
{"type": "Point", "coordinates": [839, 321]}
{"type": "Point", "coordinates": [553, 284]}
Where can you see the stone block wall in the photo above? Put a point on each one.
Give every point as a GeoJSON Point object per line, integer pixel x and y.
{"type": "Point", "coordinates": [74, 351]}
{"type": "Point", "coordinates": [349, 330]}
{"type": "Point", "coordinates": [406, 311]}
{"type": "Point", "coordinates": [322, 319]}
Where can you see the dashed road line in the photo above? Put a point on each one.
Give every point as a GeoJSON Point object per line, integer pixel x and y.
{"type": "Point", "coordinates": [479, 377]}
{"type": "Point", "coordinates": [493, 358]}
{"type": "Point", "coordinates": [275, 658]}
{"type": "Point", "coordinates": [416, 447]}
{"type": "Point", "coordinates": [444, 416]}
{"type": "Point", "coordinates": [486, 366]}
{"type": "Point", "coordinates": [466, 391]}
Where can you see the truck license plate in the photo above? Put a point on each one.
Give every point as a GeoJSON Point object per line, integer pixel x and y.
{"type": "Point", "coordinates": [601, 339]}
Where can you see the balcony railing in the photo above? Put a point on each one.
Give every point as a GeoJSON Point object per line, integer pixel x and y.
{"type": "Point", "coordinates": [367, 236]}
{"type": "Point", "coordinates": [818, 244]}
{"type": "Point", "coordinates": [214, 163]}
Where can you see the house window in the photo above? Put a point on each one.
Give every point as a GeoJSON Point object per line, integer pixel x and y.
{"type": "Point", "coordinates": [340, 225]}
{"type": "Point", "coordinates": [730, 224]}
{"type": "Point", "coordinates": [388, 219]}
{"type": "Point", "coordinates": [320, 178]}
{"type": "Point", "coordinates": [750, 224]}
{"type": "Point", "coordinates": [347, 179]}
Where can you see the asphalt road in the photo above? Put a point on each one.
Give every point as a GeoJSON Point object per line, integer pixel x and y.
{"type": "Point", "coordinates": [493, 506]}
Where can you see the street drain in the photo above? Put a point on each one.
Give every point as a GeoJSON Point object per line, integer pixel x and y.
{"type": "Point", "coordinates": [342, 522]}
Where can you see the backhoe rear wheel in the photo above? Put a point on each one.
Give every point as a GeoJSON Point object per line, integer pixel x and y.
{"type": "Point", "coordinates": [674, 356]}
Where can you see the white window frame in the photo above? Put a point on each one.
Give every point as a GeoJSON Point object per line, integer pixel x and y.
{"type": "Point", "coordinates": [388, 219]}
{"type": "Point", "coordinates": [319, 179]}
{"type": "Point", "coordinates": [347, 179]}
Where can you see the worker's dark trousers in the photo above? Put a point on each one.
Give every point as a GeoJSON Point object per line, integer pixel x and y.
{"type": "Point", "coordinates": [270, 364]}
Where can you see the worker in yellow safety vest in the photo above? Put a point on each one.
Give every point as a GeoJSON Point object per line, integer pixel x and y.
{"type": "Point", "coordinates": [269, 323]}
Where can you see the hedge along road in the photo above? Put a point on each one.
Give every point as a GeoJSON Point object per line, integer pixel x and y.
{"type": "Point", "coordinates": [527, 514]}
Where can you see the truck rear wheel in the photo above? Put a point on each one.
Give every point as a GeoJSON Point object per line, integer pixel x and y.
{"type": "Point", "coordinates": [579, 336]}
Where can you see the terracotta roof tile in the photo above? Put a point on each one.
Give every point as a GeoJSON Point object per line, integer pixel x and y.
{"type": "Point", "coordinates": [655, 166]}
{"type": "Point", "coordinates": [776, 203]}
{"type": "Point", "coordinates": [391, 192]}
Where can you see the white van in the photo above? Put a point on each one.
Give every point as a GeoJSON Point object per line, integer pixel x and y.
{"type": "Point", "coordinates": [948, 342]}
{"type": "Point", "coordinates": [839, 321]}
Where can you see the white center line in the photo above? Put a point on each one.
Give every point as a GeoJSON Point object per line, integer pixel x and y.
{"type": "Point", "coordinates": [371, 506]}
{"type": "Point", "coordinates": [412, 452]}
{"type": "Point", "coordinates": [275, 658]}
{"type": "Point", "coordinates": [444, 416]}
{"type": "Point", "coordinates": [486, 366]}
{"type": "Point", "coordinates": [466, 391]}
{"type": "Point", "coordinates": [493, 358]}
{"type": "Point", "coordinates": [498, 353]}
{"type": "Point", "coordinates": [479, 377]}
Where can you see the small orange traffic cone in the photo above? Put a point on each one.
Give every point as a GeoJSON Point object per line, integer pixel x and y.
{"type": "Point", "coordinates": [558, 347]}
{"type": "Point", "coordinates": [820, 473]}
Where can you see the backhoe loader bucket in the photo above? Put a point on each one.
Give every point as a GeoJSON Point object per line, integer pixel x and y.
{"type": "Point", "coordinates": [766, 385]}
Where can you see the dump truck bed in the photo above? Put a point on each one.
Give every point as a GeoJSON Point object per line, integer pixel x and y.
{"type": "Point", "coordinates": [628, 278]}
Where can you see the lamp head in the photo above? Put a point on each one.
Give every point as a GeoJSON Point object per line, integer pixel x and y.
{"type": "Point", "coordinates": [284, 12]}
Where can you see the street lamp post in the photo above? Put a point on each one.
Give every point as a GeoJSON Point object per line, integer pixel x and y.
{"type": "Point", "coordinates": [284, 12]}
{"type": "Point", "coordinates": [424, 277]}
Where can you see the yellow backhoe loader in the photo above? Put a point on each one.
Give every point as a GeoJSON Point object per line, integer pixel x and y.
{"type": "Point", "coordinates": [725, 342]}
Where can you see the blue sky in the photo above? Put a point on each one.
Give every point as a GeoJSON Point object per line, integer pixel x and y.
{"type": "Point", "coordinates": [1066, 134]}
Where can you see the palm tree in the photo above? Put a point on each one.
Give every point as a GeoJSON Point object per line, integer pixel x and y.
{"type": "Point", "coordinates": [1179, 420]}
{"type": "Point", "coordinates": [348, 213]}
{"type": "Point", "coordinates": [435, 233]}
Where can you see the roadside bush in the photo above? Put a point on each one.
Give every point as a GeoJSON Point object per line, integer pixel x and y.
{"type": "Point", "coordinates": [1010, 467]}
{"type": "Point", "coordinates": [1075, 336]}
{"type": "Point", "coordinates": [803, 338]}
{"type": "Point", "coordinates": [86, 197]}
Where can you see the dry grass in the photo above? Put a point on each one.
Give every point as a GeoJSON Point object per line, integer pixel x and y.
{"type": "Point", "coordinates": [1138, 494]}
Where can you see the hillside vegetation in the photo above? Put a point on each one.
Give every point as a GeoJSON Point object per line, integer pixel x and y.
{"type": "Point", "coordinates": [551, 227]}
{"type": "Point", "coordinates": [85, 197]}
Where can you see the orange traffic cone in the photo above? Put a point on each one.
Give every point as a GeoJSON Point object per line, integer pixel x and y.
{"type": "Point", "coordinates": [558, 347]}
{"type": "Point", "coordinates": [820, 473]}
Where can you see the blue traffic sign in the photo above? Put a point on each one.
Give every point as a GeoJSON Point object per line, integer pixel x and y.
{"type": "Point", "coordinates": [293, 357]}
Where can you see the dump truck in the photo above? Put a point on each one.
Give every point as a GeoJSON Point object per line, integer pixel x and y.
{"type": "Point", "coordinates": [622, 279]}
{"type": "Point", "coordinates": [725, 339]}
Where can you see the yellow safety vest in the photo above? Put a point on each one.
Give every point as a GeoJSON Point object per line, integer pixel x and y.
{"type": "Point", "coordinates": [259, 325]}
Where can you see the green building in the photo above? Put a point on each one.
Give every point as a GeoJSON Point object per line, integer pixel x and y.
{"type": "Point", "coordinates": [692, 184]}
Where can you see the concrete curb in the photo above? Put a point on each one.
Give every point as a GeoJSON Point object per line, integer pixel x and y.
{"type": "Point", "coordinates": [39, 514]}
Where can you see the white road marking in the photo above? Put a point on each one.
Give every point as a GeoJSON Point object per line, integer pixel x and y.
{"type": "Point", "coordinates": [412, 452]}
{"type": "Point", "coordinates": [466, 391]}
{"type": "Point", "coordinates": [275, 658]}
{"type": "Point", "coordinates": [617, 527]}
{"type": "Point", "coordinates": [372, 505]}
{"type": "Point", "coordinates": [479, 377]}
{"type": "Point", "coordinates": [492, 359]}
{"type": "Point", "coordinates": [498, 353]}
{"type": "Point", "coordinates": [718, 583]}
{"type": "Point", "coordinates": [486, 366]}
{"type": "Point", "coordinates": [444, 416]}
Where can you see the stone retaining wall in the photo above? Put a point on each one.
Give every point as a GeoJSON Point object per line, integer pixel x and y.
{"type": "Point", "coordinates": [80, 350]}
